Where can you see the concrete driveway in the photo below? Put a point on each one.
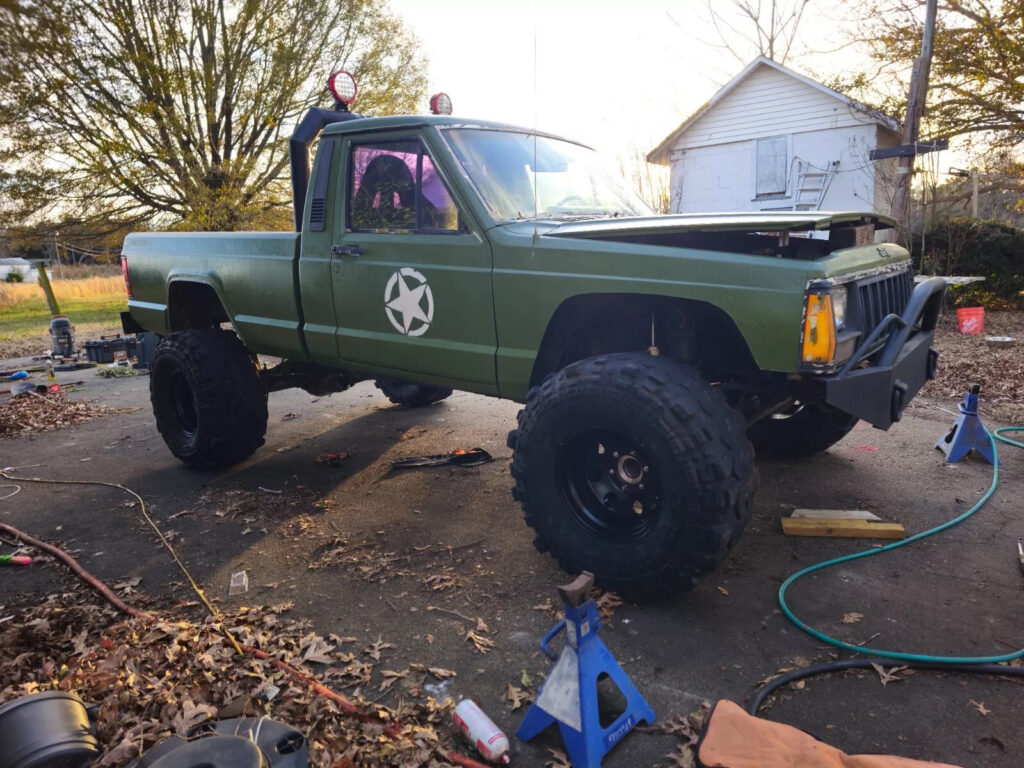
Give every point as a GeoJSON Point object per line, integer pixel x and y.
{"type": "Point", "coordinates": [390, 548]}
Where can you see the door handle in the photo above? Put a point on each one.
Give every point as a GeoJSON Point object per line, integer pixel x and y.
{"type": "Point", "coordinates": [347, 250]}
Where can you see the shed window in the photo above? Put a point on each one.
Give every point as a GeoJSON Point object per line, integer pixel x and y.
{"type": "Point", "coordinates": [772, 163]}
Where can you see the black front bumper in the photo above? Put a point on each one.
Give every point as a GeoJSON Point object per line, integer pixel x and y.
{"type": "Point", "coordinates": [876, 385]}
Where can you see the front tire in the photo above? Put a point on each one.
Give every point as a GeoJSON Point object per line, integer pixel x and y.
{"type": "Point", "coordinates": [634, 468]}
{"type": "Point", "coordinates": [809, 430]}
{"type": "Point", "coordinates": [411, 395]}
{"type": "Point", "coordinates": [208, 398]}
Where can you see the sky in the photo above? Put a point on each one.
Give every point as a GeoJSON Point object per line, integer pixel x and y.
{"type": "Point", "coordinates": [619, 76]}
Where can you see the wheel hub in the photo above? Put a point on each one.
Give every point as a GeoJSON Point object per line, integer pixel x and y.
{"type": "Point", "coordinates": [608, 484]}
{"type": "Point", "coordinates": [629, 470]}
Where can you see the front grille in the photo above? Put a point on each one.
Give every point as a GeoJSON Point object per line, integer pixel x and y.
{"type": "Point", "coordinates": [883, 295]}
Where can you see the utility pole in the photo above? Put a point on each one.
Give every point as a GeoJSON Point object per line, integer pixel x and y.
{"type": "Point", "coordinates": [912, 123]}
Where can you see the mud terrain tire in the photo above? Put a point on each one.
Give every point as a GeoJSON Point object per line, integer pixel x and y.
{"type": "Point", "coordinates": [209, 401]}
{"type": "Point", "coordinates": [634, 468]}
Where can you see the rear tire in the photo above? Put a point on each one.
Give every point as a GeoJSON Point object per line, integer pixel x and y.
{"type": "Point", "coordinates": [208, 398]}
{"type": "Point", "coordinates": [411, 395]}
{"type": "Point", "coordinates": [634, 468]}
{"type": "Point", "coordinates": [811, 430]}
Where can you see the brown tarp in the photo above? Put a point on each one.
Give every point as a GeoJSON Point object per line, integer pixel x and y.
{"type": "Point", "coordinates": [734, 739]}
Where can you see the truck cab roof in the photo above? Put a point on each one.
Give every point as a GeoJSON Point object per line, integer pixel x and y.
{"type": "Point", "coordinates": [397, 122]}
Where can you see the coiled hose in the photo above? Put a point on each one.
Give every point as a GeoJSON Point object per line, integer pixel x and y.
{"type": "Point", "coordinates": [923, 658]}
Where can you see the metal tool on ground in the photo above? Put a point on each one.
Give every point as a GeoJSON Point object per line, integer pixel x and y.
{"type": "Point", "coordinates": [569, 695]}
{"type": "Point", "coordinates": [460, 457]}
{"type": "Point", "coordinates": [967, 433]}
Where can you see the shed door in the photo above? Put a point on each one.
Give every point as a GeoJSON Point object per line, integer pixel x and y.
{"type": "Point", "coordinates": [772, 161]}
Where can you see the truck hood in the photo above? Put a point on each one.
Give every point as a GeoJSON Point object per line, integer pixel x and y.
{"type": "Point", "coordinates": [816, 234]}
{"type": "Point", "coordinates": [756, 221]}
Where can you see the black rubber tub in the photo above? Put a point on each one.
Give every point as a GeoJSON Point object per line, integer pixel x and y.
{"type": "Point", "coordinates": [46, 730]}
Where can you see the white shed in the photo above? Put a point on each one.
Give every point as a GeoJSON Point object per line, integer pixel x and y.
{"type": "Point", "coordinates": [22, 266]}
{"type": "Point", "coordinates": [772, 139]}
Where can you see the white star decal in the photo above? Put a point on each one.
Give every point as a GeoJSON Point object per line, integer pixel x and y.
{"type": "Point", "coordinates": [409, 302]}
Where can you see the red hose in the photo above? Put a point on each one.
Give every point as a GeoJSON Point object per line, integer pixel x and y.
{"type": "Point", "coordinates": [344, 704]}
{"type": "Point", "coordinates": [71, 563]}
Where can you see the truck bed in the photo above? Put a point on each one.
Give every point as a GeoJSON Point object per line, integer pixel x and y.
{"type": "Point", "coordinates": [260, 269]}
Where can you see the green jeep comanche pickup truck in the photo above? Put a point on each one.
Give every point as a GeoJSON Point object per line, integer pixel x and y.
{"type": "Point", "coordinates": [654, 354]}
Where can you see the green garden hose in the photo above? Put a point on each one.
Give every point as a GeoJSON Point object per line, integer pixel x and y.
{"type": "Point", "coordinates": [899, 655]}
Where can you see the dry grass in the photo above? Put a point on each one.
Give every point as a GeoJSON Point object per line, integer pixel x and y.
{"type": "Point", "coordinates": [14, 294]}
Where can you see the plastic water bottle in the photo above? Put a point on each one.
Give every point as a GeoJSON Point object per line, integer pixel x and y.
{"type": "Point", "coordinates": [481, 732]}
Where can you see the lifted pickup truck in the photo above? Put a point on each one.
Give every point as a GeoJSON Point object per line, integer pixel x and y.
{"type": "Point", "coordinates": [654, 354]}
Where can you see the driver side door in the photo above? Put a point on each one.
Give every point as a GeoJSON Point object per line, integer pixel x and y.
{"type": "Point", "coordinates": [412, 274]}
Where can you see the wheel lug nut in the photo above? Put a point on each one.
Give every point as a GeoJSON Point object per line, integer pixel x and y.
{"type": "Point", "coordinates": [611, 472]}
{"type": "Point", "coordinates": [641, 486]}
{"type": "Point", "coordinates": [615, 455]}
{"type": "Point", "coordinates": [647, 469]}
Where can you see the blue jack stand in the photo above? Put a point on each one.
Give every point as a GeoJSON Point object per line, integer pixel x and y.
{"type": "Point", "coordinates": [569, 695]}
{"type": "Point", "coordinates": [967, 432]}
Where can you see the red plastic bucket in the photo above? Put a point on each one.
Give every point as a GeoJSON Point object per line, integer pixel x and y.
{"type": "Point", "coordinates": [971, 320]}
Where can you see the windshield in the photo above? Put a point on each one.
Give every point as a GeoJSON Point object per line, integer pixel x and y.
{"type": "Point", "coordinates": [521, 175]}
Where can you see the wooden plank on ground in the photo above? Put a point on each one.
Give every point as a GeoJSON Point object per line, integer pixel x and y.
{"type": "Point", "coordinates": [853, 529]}
{"type": "Point", "coordinates": [837, 514]}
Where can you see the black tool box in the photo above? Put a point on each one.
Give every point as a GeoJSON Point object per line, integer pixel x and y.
{"type": "Point", "coordinates": [110, 348]}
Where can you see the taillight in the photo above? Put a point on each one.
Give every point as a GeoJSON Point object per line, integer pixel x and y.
{"type": "Point", "coordinates": [127, 280]}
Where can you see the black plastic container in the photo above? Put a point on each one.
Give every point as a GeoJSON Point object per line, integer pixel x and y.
{"type": "Point", "coordinates": [213, 752]}
{"type": "Point", "coordinates": [279, 746]}
{"type": "Point", "coordinates": [105, 350]}
{"type": "Point", "coordinates": [46, 730]}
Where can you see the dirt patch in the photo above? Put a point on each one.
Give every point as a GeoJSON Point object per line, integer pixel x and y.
{"type": "Point", "coordinates": [40, 343]}
{"type": "Point", "coordinates": [966, 360]}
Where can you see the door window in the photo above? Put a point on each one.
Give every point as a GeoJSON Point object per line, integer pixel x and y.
{"type": "Point", "coordinates": [396, 187]}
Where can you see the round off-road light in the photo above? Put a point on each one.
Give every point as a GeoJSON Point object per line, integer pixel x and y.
{"type": "Point", "coordinates": [342, 86]}
{"type": "Point", "coordinates": [441, 104]}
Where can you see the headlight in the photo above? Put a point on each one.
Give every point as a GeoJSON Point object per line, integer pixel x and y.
{"type": "Point", "coordinates": [838, 294]}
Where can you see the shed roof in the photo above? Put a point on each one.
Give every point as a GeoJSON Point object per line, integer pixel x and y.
{"type": "Point", "coordinates": [660, 154]}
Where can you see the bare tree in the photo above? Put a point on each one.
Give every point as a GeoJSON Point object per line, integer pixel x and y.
{"type": "Point", "coordinates": [179, 110]}
{"type": "Point", "coordinates": [750, 28]}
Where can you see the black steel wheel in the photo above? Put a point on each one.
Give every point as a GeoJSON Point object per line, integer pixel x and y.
{"type": "Point", "coordinates": [634, 468]}
{"type": "Point", "coordinates": [208, 398]}
{"type": "Point", "coordinates": [608, 484]}
{"type": "Point", "coordinates": [800, 431]}
{"type": "Point", "coordinates": [409, 394]}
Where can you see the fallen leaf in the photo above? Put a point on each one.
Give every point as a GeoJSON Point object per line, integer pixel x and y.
{"type": "Point", "coordinates": [888, 676]}
{"type": "Point", "coordinates": [723, 590]}
{"type": "Point", "coordinates": [558, 759]}
{"type": "Point", "coordinates": [517, 696]}
{"type": "Point", "coordinates": [980, 706]}
{"type": "Point", "coordinates": [852, 617]}
{"type": "Point", "coordinates": [390, 677]}
{"type": "Point", "coordinates": [373, 650]}
{"type": "Point", "coordinates": [481, 643]}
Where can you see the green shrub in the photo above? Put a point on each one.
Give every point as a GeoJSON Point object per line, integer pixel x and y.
{"type": "Point", "coordinates": [962, 246]}
{"type": "Point", "coordinates": [14, 276]}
